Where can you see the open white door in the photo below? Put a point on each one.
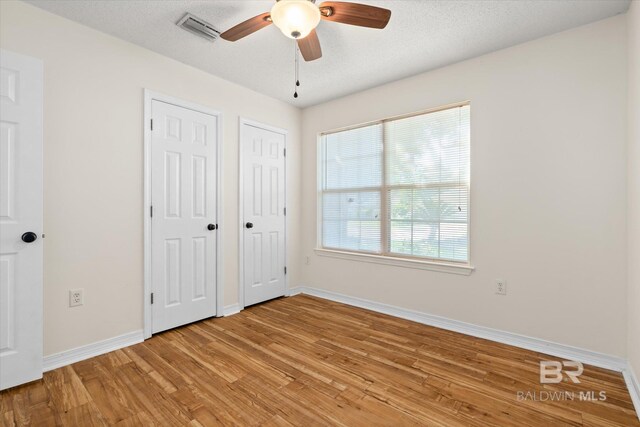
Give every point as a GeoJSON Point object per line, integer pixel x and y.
{"type": "Point", "coordinates": [20, 219]}
{"type": "Point", "coordinates": [183, 222]}
{"type": "Point", "coordinates": [263, 199]}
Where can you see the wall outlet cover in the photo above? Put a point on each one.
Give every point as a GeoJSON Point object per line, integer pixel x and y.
{"type": "Point", "coordinates": [76, 297]}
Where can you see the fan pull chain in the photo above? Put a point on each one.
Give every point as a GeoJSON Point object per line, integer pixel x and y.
{"type": "Point", "coordinates": [297, 67]}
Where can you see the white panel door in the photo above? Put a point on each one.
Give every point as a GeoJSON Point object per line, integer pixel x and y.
{"type": "Point", "coordinates": [183, 222]}
{"type": "Point", "coordinates": [20, 219]}
{"type": "Point", "coordinates": [263, 192]}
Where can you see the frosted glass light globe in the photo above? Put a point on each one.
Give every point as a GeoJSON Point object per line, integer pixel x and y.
{"type": "Point", "coordinates": [295, 18]}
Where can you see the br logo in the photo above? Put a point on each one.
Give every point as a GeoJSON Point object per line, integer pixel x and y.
{"type": "Point", "coordinates": [553, 372]}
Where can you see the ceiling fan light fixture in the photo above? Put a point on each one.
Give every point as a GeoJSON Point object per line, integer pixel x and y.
{"type": "Point", "coordinates": [295, 18]}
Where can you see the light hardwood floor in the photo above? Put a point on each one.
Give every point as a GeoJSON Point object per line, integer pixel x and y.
{"type": "Point", "coordinates": [305, 361]}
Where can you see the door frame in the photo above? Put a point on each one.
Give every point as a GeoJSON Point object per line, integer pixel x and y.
{"type": "Point", "coordinates": [248, 122]}
{"type": "Point", "coordinates": [150, 96]}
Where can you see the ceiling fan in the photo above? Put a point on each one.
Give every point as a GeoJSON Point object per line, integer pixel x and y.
{"type": "Point", "coordinates": [297, 19]}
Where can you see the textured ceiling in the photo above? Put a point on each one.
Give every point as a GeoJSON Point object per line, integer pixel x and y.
{"type": "Point", "coordinates": [422, 35]}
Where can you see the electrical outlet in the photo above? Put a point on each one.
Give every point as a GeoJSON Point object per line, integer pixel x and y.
{"type": "Point", "coordinates": [501, 287]}
{"type": "Point", "coordinates": [307, 260]}
{"type": "Point", "coordinates": [76, 297]}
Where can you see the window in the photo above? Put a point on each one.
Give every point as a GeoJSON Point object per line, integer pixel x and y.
{"type": "Point", "coordinates": [398, 187]}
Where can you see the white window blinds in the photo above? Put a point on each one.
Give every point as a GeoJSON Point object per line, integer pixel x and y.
{"type": "Point", "coordinates": [399, 187]}
{"type": "Point", "coordinates": [352, 181]}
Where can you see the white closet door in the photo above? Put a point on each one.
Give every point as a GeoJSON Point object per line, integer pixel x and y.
{"type": "Point", "coordinates": [263, 195]}
{"type": "Point", "coordinates": [183, 225]}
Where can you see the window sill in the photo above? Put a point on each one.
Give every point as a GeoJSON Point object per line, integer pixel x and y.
{"type": "Point", "coordinates": [442, 267]}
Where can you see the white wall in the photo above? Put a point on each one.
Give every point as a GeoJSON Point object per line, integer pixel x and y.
{"type": "Point", "coordinates": [633, 189]}
{"type": "Point", "coordinates": [548, 198]}
{"type": "Point", "coordinates": [93, 112]}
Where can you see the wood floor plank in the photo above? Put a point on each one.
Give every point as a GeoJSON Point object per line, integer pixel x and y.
{"type": "Point", "coordinates": [65, 388]}
{"type": "Point", "coordinates": [304, 361]}
{"type": "Point", "coordinates": [84, 415]}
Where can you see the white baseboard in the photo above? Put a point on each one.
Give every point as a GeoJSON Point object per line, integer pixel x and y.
{"type": "Point", "coordinates": [68, 357]}
{"type": "Point", "coordinates": [230, 310]}
{"type": "Point", "coordinates": [91, 350]}
{"type": "Point", "coordinates": [565, 352]}
{"type": "Point", "coordinates": [633, 384]}
{"type": "Point", "coordinates": [294, 291]}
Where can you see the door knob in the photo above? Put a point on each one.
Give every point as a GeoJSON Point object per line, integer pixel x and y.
{"type": "Point", "coordinates": [212, 227]}
{"type": "Point", "coordinates": [29, 237]}
{"type": "Point", "coordinates": [249, 225]}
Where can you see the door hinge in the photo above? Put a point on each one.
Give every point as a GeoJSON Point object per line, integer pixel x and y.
{"type": "Point", "coordinates": [151, 124]}
{"type": "Point", "coordinates": [151, 211]}
{"type": "Point", "coordinates": [285, 270]}
{"type": "Point", "coordinates": [285, 211]}
{"type": "Point", "coordinates": [151, 297]}
{"type": "Point", "coordinates": [285, 152]}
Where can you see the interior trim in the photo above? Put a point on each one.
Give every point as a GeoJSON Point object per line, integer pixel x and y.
{"type": "Point", "coordinates": [77, 354]}
{"type": "Point", "coordinates": [230, 310]}
{"type": "Point", "coordinates": [440, 266]}
{"type": "Point", "coordinates": [634, 387]}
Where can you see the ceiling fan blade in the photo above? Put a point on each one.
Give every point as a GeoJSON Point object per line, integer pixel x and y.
{"type": "Point", "coordinates": [247, 27]}
{"type": "Point", "coordinates": [361, 15]}
{"type": "Point", "coordinates": [310, 47]}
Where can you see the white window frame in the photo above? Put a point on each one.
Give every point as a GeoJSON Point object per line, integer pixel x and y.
{"type": "Point", "coordinates": [385, 257]}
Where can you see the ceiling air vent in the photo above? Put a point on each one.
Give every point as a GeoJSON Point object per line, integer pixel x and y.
{"type": "Point", "coordinates": [198, 27]}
